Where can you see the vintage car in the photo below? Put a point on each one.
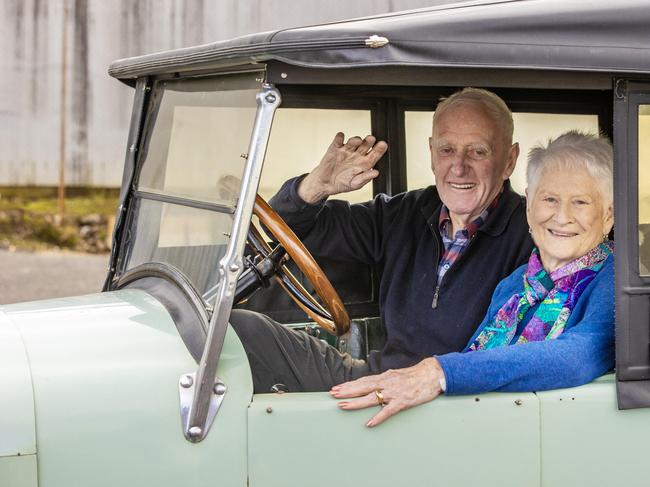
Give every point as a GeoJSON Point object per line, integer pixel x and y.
{"type": "Point", "coordinates": [146, 384]}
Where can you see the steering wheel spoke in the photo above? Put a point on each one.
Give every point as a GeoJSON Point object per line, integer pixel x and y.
{"type": "Point", "coordinates": [331, 315]}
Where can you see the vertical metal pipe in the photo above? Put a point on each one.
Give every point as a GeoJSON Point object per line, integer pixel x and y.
{"type": "Point", "coordinates": [64, 82]}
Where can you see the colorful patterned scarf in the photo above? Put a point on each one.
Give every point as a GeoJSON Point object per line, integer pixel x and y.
{"type": "Point", "coordinates": [556, 294]}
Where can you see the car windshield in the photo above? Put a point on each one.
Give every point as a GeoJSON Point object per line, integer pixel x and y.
{"type": "Point", "coordinates": [197, 133]}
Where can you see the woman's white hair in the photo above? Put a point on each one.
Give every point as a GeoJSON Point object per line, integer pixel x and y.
{"type": "Point", "coordinates": [493, 105]}
{"type": "Point", "coordinates": [574, 149]}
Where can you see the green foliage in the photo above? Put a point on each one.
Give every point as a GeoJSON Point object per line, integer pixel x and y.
{"type": "Point", "coordinates": [45, 230]}
{"type": "Point", "coordinates": [29, 218]}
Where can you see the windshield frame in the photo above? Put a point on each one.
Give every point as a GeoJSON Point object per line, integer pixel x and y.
{"type": "Point", "coordinates": [145, 118]}
{"type": "Point", "coordinates": [201, 400]}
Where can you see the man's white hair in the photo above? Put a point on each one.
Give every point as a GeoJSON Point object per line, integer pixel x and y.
{"type": "Point", "coordinates": [493, 105]}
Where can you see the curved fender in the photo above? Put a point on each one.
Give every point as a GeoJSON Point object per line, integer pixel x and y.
{"type": "Point", "coordinates": [17, 421]}
{"type": "Point", "coordinates": [105, 371]}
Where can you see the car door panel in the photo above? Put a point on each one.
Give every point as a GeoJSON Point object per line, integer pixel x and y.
{"type": "Point", "coordinates": [304, 439]}
{"type": "Point", "coordinates": [19, 471]}
{"type": "Point", "coordinates": [587, 441]}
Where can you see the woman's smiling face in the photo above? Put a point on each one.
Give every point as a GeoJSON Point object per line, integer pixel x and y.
{"type": "Point", "coordinates": [567, 215]}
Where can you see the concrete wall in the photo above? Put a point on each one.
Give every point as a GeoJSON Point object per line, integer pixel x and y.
{"type": "Point", "coordinates": [98, 107]}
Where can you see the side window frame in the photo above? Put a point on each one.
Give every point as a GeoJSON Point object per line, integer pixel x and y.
{"type": "Point", "coordinates": [298, 96]}
{"type": "Point", "coordinates": [574, 102]}
{"type": "Point", "coordinates": [309, 97]}
{"type": "Point", "coordinates": [632, 289]}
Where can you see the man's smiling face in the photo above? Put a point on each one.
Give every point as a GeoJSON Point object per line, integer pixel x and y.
{"type": "Point", "coordinates": [470, 159]}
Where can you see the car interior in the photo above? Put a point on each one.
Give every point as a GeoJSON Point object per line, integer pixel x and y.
{"type": "Point", "coordinates": [402, 117]}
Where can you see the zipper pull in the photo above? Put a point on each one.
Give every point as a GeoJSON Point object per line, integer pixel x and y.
{"type": "Point", "coordinates": [434, 303]}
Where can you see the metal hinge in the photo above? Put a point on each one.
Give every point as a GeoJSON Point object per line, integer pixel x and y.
{"type": "Point", "coordinates": [620, 89]}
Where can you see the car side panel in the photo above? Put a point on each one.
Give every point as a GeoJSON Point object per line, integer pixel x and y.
{"type": "Point", "coordinates": [18, 466]}
{"type": "Point", "coordinates": [587, 441]}
{"type": "Point", "coordinates": [105, 369]}
{"type": "Point", "coordinates": [17, 425]}
{"type": "Point", "coordinates": [18, 471]}
{"type": "Point", "coordinates": [304, 439]}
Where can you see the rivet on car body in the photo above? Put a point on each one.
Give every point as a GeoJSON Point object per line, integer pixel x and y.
{"type": "Point", "coordinates": [234, 267]}
{"type": "Point", "coordinates": [195, 432]}
{"type": "Point", "coordinates": [283, 75]}
{"type": "Point", "coordinates": [518, 402]}
{"type": "Point", "coordinates": [187, 381]}
{"type": "Point", "coordinates": [219, 388]}
{"type": "Point", "coordinates": [271, 98]}
{"type": "Point", "coordinates": [269, 410]}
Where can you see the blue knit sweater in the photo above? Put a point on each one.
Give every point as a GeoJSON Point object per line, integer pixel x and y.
{"type": "Point", "coordinates": [583, 352]}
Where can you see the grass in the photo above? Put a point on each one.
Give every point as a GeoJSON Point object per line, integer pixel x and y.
{"type": "Point", "coordinates": [78, 201]}
{"type": "Point", "coordinates": [74, 206]}
{"type": "Point", "coordinates": [29, 218]}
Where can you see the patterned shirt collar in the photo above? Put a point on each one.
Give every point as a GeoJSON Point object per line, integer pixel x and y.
{"type": "Point", "coordinates": [444, 222]}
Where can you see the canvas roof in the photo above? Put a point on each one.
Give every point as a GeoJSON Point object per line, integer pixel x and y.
{"type": "Point", "coordinates": [571, 35]}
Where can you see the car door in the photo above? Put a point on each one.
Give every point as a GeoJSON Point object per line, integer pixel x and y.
{"type": "Point", "coordinates": [586, 441]}
{"type": "Point", "coordinates": [304, 439]}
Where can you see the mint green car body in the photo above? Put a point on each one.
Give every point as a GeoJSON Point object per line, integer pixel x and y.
{"type": "Point", "coordinates": [95, 406]}
{"type": "Point", "coordinates": [90, 398]}
{"type": "Point", "coordinates": [91, 387]}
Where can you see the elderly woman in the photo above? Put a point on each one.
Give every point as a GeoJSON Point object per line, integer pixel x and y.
{"type": "Point", "coordinates": [550, 323]}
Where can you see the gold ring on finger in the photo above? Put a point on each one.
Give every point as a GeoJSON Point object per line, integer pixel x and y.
{"type": "Point", "coordinates": [380, 397]}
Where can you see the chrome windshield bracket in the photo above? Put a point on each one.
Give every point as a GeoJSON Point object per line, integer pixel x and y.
{"type": "Point", "coordinates": [205, 405]}
{"type": "Point", "coordinates": [186, 388]}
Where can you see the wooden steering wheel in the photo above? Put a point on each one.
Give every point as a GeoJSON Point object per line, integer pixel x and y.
{"type": "Point", "coordinates": [331, 315]}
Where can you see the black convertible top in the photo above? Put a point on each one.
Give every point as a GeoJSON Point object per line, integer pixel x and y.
{"type": "Point", "coordinates": [561, 35]}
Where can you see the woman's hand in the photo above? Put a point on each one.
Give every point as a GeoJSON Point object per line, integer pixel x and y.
{"type": "Point", "coordinates": [398, 389]}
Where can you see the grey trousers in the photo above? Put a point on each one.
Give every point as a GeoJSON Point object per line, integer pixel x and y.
{"type": "Point", "coordinates": [297, 361]}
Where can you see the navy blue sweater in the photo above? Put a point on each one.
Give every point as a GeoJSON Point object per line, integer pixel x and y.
{"type": "Point", "coordinates": [399, 236]}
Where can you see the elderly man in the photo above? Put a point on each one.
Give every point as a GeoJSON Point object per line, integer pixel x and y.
{"type": "Point", "coordinates": [439, 251]}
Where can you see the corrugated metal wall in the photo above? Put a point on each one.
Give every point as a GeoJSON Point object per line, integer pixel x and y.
{"type": "Point", "coordinates": [98, 108]}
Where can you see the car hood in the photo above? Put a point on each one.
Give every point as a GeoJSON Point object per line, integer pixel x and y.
{"type": "Point", "coordinates": [94, 383]}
